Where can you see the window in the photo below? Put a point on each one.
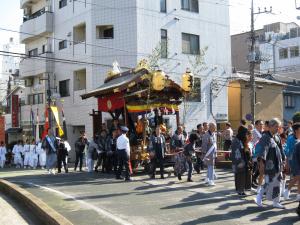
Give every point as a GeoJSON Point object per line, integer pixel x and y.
{"type": "Point", "coordinates": [43, 49]}
{"type": "Point", "coordinates": [283, 53]}
{"type": "Point", "coordinates": [62, 44]}
{"type": "Point", "coordinates": [80, 80]}
{"type": "Point", "coordinates": [30, 100]}
{"type": "Point", "coordinates": [41, 98]}
{"type": "Point", "coordinates": [64, 88]}
{"type": "Point", "coordinates": [33, 52]}
{"type": "Point", "coordinates": [105, 32]}
{"type": "Point", "coordinates": [294, 51]}
{"type": "Point", "coordinates": [79, 33]}
{"type": "Point", "coordinates": [163, 6]}
{"type": "Point", "coordinates": [190, 5]}
{"type": "Point", "coordinates": [293, 33]}
{"type": "Point", "coordinates": [289, 101]}
{"type": "Point", "coordinates": [195, 94]}
{"type": "Point", "coordinates": [62, 3]}
{"type": "Point", "coordinates": [35, 99]}
{"type": "Point", "coordinates": [190, 44]}
{"type": "Point", "coordinates": [164, 43]}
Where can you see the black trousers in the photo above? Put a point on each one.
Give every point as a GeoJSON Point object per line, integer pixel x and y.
{"type": "Point", "coordinates": [227, 145]}
{"type": "Point", "coordinates": [123, 160]}
{"type": "Point", "coordinates": [243, 180]}
{"type": "Point", "coordinates": [62, 159]}
{"type": "Point", "coordinates": [255, 172]}
{"type": "Point", "coordinates": [101, 161]}
{"type": "Point", "coordinates": [157, 162]}
{"type": "Point", "coordinates": [198, 166]}
{"type": "Point", "coordinates": [112, 162]}
{"type": "Point", "coordinates": [79, 159]}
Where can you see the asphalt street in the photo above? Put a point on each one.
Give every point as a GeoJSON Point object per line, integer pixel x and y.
{"type": "Point", "coordinates": [89, 198]}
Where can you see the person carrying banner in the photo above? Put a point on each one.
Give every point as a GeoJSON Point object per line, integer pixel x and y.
{"type": "Point", "coordinates": [50, 145]}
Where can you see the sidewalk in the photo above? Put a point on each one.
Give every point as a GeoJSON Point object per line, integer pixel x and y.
{"type": "Point", "coordinates": [8, 214]}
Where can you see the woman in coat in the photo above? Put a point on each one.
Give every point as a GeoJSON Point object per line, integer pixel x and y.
{"type": "Point", "coordinates": [241, 160]}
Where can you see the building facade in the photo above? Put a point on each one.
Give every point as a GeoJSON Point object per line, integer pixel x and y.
{"type": "Point", "coordinates": [10, 67]}
{"type": "Point", "coordinates": [282, 51]}
{"type": "Point", "coordinates": [74, 43]}
{"type": "Point", "coordinates": [269, 100]}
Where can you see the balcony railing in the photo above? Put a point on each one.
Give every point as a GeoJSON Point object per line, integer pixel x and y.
{"type": "Point", "coordinates": [36, 25]}
{"type": "Point", "coordinates": [32, 66]}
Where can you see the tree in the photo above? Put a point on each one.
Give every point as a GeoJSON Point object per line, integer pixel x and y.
{"type": "Point", "coordinates": [296, 117]}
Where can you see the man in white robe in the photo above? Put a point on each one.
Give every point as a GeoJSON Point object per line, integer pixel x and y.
{"type": "Point", "coordinates": [17, 152]}
{"type": "Point", "coordinates": [26, 152]}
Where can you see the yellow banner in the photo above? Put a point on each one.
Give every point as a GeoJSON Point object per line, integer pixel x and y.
{"type": "Point", "coordinates": [56, 116]}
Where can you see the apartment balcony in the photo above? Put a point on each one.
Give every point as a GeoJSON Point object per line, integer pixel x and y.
{"type": "Point", "coordinates": [32, 66]}
{"type": "Point", "coordinates": [35, 26]}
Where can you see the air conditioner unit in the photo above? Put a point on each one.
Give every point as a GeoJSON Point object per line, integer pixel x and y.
{"type": "Point", "coordinates": [28, 82]}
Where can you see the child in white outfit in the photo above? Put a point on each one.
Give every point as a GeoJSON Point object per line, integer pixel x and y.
{"type": "Point", "coordinates": [33, 155]}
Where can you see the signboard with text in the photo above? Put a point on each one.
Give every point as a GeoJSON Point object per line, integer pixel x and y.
{"type": "Point", "coordinates": [2, 128]}
{"type": "Point", "coordinates": [15, 111]}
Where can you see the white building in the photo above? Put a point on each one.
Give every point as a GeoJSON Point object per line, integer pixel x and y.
{"type": "Point", "coordinates": [281, 49]}
{"type": "Point", "coordinates": [10, 66]}
{"type": "Point", "coordinates": [92, 34]}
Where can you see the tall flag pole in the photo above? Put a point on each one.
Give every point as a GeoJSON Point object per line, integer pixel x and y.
{"type": "Point", "coordinates": [46, 126]}
{"type": "Point", "coordinates": [32, 122]}
{"type": "Point", "coordinates": [37, 129]}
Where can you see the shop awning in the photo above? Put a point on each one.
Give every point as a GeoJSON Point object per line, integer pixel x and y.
{"type": "Point", "coordinates": [14, 130]}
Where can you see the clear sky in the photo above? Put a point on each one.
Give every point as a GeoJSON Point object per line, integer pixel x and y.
{"type": "Point", "coordinates": [284, 10]}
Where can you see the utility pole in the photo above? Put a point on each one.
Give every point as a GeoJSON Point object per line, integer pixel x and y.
{"type": "Point", "coordinates": [253, 58]}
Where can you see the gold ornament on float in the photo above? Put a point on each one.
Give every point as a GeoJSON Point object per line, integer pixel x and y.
{"type": "Point", "coordinates": [143, 64]}
{"type": "Point", "coordinates": [158, 80]}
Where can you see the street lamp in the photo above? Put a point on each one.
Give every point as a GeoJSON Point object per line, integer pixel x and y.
{"type": "Point", "coordinates": [187, 81]}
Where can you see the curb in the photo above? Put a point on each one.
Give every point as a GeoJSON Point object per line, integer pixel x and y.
{"type": "Point", "coordinates": [39, 208]}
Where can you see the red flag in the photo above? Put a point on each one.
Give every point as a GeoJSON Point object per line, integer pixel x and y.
{"type": "Point", "coordinates": [46, 127]}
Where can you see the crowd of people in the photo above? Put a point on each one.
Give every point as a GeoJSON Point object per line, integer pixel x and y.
{"type": "Point", "coordinates": [263, 157]}
{"type": "Point", "coordinates": [263, 154]}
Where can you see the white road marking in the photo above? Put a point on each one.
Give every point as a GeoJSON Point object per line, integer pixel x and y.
{"type": "Point", "coordinates": [100, 211]}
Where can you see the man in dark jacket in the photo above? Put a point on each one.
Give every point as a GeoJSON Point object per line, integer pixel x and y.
{"type": "Point", "coordinates": [50, 145]}
{"type": "Point", "coordinates": [112, 157]}
{"type": "Point", "coordinates": [79, 149]}
{"type": "Point", "coordinates": [62, 155]}
{"type": "Point", "coordinates": [189, 150]}
{"type": "Point", "coordinates": [157, 149]}
{"type": "Point", "coordinates": [103, 143]}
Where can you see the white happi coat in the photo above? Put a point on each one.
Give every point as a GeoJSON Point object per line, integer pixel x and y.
{"type": "Point", "coordinates": [2, 153]}
{"type": "Point", "coordinates": [26, 151]}
{"type": "Point", "coordinates": [33, 161]}
{"type": "Point", "coordinates": [2, 156]}
{"type": "Point", "coordinates": [41, 154]}
{"type": "Point", "coordinates": [17, 151]}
